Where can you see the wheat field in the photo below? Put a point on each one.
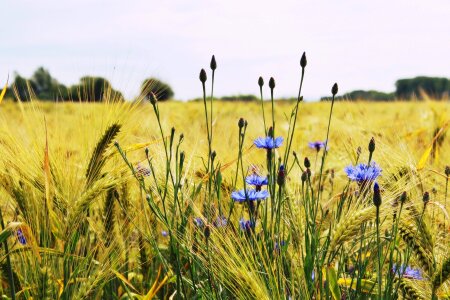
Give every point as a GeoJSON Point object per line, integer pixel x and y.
{"type": "Point", "coordinates": [129, 201]}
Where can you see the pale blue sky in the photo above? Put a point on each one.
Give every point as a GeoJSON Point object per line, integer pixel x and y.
{"type": "Point", "coordinates": [359, 44]}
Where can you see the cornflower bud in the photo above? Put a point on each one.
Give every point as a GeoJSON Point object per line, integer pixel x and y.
{"type": "Point", "coordinates": [241, 122]}
{"type": "Point", "coordinates": [213, 63]}
{"type": "Point", "coordinates": [304, 176]}
{"type": "Point", "coordinates": [334, 89]}
{"type": "Point", "coordinates": [271, 83]}
{"type": "Point", "coordinates": [447, 171]}
{"type": "Point", "coordinates": [307, 163]}
{"type": "Point", "coordinates": [281, 178]}
{"type": "Point", "coordinates": [202, 76]}
{"type": "Point", "coordinates": [372, 145]}
{"type": "Point", "coordinates": [403, 197]}
{"type": "Point", "coordinates": [207, 231]}
{"type": "Point", "coordinates": [303, 60]}
{"type": "Point", "coordinates": [260, 82]}
{"type": "Point", "coordinates": [426, 198]}
{"type": "Point", "coordinates": [376, 195]}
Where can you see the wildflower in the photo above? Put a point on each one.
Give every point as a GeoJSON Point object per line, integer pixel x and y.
{"type": "Point", "coordinates": [164, 233]}
{"type": "Point", "coordinates": [260, 81]}
{"type": "Point", "coordinates": [221, 221]}
{"type": "Point", "coordinates": [21, 237]}
{"type": "Point", "coordinates": [241, 122]}
{"type": "Point", "coordinates": [278, 246]}
{"type": "Point", "coordinates": [207, 231]}
{"type": "Point", "coordinates": [376, 195]}
{"type": "Point", "coordinates": [199, 222]}
{"type": "Point", "coordinates": [271, 83]}
{"type": "Point", "coordinates": [317, 145]}
{"type": "Point", "coordinates": [334, 89]}
{"type": "Point", "coordinates": [202, 76]}
{"type": "Point", "coordinates": [257, 181]}
{"type": "Point", "coordinates": [268, 142]}
{"type": "Point", "coordinates": [281, 178]}
{"type": "Point", "coordinates": [213, 63]}
{"type": "Point", "coordinates": [403, 197]}
{"type": "Point", "coordinates": [372, 145]}
{"type": "Point", "coordinates": [304, 176]}
{"type": "Point", "coordinates": [307, 163]}
{"type": "Point", "coordinates": [246, 225]}
{"type": "Point", "coordinates": [407, 272]}
{"type": "Point", "coordinates": [425, 198]}
{"type": "Point", "coordinates": [251, 195]}
{"type": "Point", "coordinates": [303, 61]}
{"type": "Point", "coordinates": [142, 171]}
{"type": "Point", "coordinates": [363, 172]}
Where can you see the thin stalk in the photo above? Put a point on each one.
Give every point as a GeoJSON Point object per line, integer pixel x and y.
{"type": "Point", "coordinates": [379, 252]}
{"type": "Point", "coordinates": [8, 262]}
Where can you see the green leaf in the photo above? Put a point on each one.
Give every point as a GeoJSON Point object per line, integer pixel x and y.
{"type": "Point", "coordinates": [333, 283]}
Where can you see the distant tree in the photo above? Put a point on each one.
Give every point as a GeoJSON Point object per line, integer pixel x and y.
{"type": "Point", "coordinates": [414, 87]}
{"type": "Point", "coordinates": [162, 90]}
{"type": "Point", "coordinates": [95, 89]}
{"type": "Point", "coordinates": [244, 98]}
{"type": "Point", "coordinates": [22, 88]}
{"type": "Point", "coordinates": [47, 88]}
{"type": "Point", "coordinates": [370, 95]}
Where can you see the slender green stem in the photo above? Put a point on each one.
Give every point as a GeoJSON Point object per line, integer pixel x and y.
{"type": "Point", "coordinates": [379, 252]}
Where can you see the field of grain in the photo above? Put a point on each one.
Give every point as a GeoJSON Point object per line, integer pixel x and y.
{"type": "Point", "coordinates": [100, 202]}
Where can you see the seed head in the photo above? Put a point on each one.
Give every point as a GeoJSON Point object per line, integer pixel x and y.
{"type": "Point", "coordinates": [304, 176]}
{"type": "Point", "coordinates": [271, 83]}
{"type": "Point", "coordinates": [426, 198]}
{"type": "Point", "coordinates": [358, 151]}
{"type": "Point", "coordinates": [372, 145]}
{"type": "Point", "coordinates": [213, 63]}
{"type": "Point", "coordinates": [447, 171]}
{"type": "Point", "coordinates": [376, 195]}
{"type": "Point", "coordinates": [270, 132]}
{"type": "Point", "coordinates": [152, 98]}
{"type": "Point", "coordinates": [260, 82]}
{"type": "Point", "coordinates": [207, 231]}
{"type": "Point", "coordinates": [334, 89]}
{"type": "Point", "coordinates": [281, 178]}
{"type": "Point", "coordinates": [241, 122]}
{"type": "Point", "coordinates": [202, 76]}
{"type": "Point", "coordinates": [403, 197]}
{"type": "Point", "coordinates": [303, 61]}
{"type": "Point", "coordinates": [307, 163]}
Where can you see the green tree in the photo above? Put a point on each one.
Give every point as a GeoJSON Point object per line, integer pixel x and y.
{"type": "Point", "coordinates": [414, 87]}
{"type": "Point", "coordinates": [22, 89]}
{"type": "Point", "coordinates": [162, 90]}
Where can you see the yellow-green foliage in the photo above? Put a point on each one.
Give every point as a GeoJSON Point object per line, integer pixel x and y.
{"type": "Point", "coordinates": [90, 231]}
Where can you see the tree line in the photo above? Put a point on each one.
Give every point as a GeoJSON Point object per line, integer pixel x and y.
{"type": "Point", "coordinates": [405, 89]}
{"type": "Point", "coordinates": [41, 85]}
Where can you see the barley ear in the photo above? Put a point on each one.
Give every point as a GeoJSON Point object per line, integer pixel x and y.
{"type": "Point", "coordinates": [98, 156]}
{"type": "Point", "coordinates": [442, 274]}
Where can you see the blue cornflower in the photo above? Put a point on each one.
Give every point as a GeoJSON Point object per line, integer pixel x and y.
{"type": "Point", "coordinates": [317, 145]}
{"type": "Point", "coordinates": [363, 172]}
{"type": "Point", "coordinates": [21, 237]}
{"type": "Point", "coordinates": [268, 142]}
{"type": "Point", "coordinates": [246, 225]}
{"type": "Point", "coordinates": [256, 180]}
{"type": "Point", "coordinates": [199, 222]}
{"type": "Point", "coordinates": [252, 195]}
{"type": "Point", "coordinates": [407, 272]}
{"type": "Point", "coordinates": [221, 221]}
{"type": "Point", "coordinates": [164, 233]}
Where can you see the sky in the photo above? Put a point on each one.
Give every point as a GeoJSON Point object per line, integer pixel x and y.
{"type": "Point", "coordinates": [358, 44]}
